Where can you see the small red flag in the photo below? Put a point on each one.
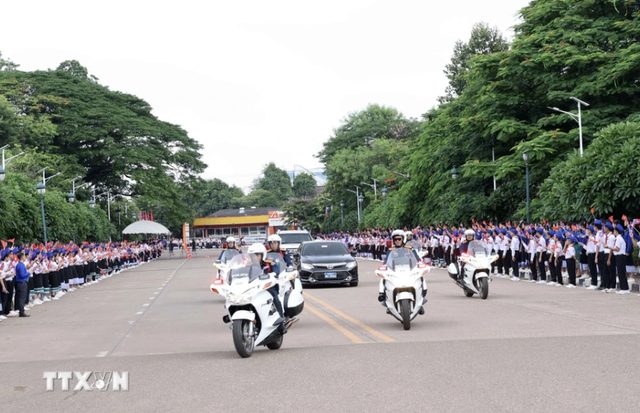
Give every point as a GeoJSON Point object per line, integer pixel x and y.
{"type": "Point", "coordinates": [12, 240]}
{"type": "Point", "coordinates": [611, 219]}
{"type": "Point", "coordinates": [624, 218]}
{"type": "Point", "coordinates": [593, 210]}
{"type": "Point", "coordinates": [4, 243]}
{"type": "Point", "coordinates": [473, 220]}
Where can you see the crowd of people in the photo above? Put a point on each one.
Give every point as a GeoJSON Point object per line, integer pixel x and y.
{"type": "Point", "coordinates": [33, 274]}
{"type": "Point", "coordinates": [599, 252]}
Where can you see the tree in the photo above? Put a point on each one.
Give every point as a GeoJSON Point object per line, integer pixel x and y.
{"type": "Point", "coordinates": [7, 65]}
{"type": "Point", "coordinates": [210, 196]}
{"type": "Point", "coordinates": [561, 49]}
{"type": "Point", "coordinates": [483, 40]}
{"type": "Point", "coordinates": [607, 178]}
{"type": "Point", "coordinates": [307, 213]}
{"type": "Point", "coordinates": [365, 127]}
{"type": "Point", "coordinates": [275, 181]}
{"type": "Point", "coordinates": [259, 198]}
{"type": "Point", "coordinates": [74, 68]}
{"type": "Point", "coordinates": [304, 185]}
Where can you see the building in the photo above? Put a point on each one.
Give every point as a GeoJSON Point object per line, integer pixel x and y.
{"type": "Point", "coordinates": [249, 223]}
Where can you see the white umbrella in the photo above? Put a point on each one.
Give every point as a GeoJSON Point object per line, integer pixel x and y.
{"type": "Point", "coordinates": [146, 227]}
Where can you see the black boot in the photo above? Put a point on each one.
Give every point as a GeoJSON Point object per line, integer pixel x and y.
{"type": "Point", "coordinates": [381, 297]}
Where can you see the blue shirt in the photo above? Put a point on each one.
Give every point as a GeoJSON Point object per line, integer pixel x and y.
{"type": "Point", "coordinates": [22, 275]}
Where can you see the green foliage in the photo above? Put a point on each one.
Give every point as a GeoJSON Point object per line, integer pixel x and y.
{"type": "Point", "coordinates": [607, 178]}
{"type": "Point", "coordinates": [307, 213]}
{"type": "Point", "coordinates": [304, 186]}
{"type": "Point", "coordinates": [210, 196]}
{"type": "Point", "coordinates": [259, 198]}
{"type": "Point", "coordinates": [7, 65]}
{"type": "Point", "coordinates": [276, 181]}
{"type": "Point", "coordinates": [483, 40]}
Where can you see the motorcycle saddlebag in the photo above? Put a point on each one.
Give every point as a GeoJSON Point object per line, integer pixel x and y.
{"type": "Point", "coordinates": [293, 303]}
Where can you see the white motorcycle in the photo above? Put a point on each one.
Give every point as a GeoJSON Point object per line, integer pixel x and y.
{"type": "Point", "coordinates": [251, 310]}
{"type": "Point", "coordinates": [477, 271]}
{"type": "Point", "coordinates": [405, 288]}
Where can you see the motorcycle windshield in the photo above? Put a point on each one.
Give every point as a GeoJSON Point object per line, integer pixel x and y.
{"type": "Point", "coordinates": [244, 268]}
{"type": "Point", "coordinates": [278, 262]}
{"type": "Point", "coordinates": [229, 255]}
{"type": "Point", "coordinates": [476, 249]}
{"type": "Point", "coordinates": [401, 259]}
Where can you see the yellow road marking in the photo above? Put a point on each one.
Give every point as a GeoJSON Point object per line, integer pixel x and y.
{"type": "Point", "coordinates": [334, 324]}
{"type": "Point", "coordinates": [362, 325]}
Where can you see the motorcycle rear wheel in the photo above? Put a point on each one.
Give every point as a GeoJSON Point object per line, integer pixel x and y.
{"type": "Point", "coordinates": [275, 345]}
{"type": "Point", "coordinates": [241, 340]}
{"type": "Point", "coordinates": [406, 314]}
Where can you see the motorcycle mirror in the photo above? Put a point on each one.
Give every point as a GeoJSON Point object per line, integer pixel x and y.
{"type": "Point", "coordinates": [218, 262]}
{"type": "Point", "coordinates": [264, 277]}
{"type": "Point", "coordinates": [289, 269]}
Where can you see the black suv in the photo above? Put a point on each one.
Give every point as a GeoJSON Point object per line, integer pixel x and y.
{"type": "Point", "coordinates": [326, 262]}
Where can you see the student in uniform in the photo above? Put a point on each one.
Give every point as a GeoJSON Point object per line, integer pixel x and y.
{"type": "Point", "coordinates": [570, 257]}
{"type": "Point", "coordinates": [611, 262]}
{"type": "Point", "coordinates": [601, 256]}
{"type": "Point", "coordinates": [619, 251]}
{"type": "Point", "coordinates": [589, 246]}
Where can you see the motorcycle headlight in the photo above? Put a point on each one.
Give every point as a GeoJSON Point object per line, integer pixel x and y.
{"type": "Point", "coordinates": [240, 299]}
{"type": "Point", "coordinates": [306, 266]}
{"type": "Point", "coordinates": [351, 265]}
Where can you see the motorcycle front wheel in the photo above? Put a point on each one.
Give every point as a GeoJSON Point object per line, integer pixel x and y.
{"type": "Point", "coordinates": [405, 310]}
{"type": "Point", "coordinates": [242, 340]}
{"type": "Point", "coordinates": [483, 284]}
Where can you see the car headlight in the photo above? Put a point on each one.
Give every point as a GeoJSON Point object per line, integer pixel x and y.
{"type": "Point", "coordinates": [306, 266]}
{"type": "Point", "coordinates": [351, 265]}
{"type": "Point", "coordinates": [240, 299]}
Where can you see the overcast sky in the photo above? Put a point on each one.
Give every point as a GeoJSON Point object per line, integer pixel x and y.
{"type": "Point", "coordinates": [254, 81]}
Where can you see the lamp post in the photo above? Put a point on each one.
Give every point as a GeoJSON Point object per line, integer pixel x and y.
{"type": "Point", "coordinates": [118, 211]}
{"type": "Point", "coordinates": [454, 172]}
{"type": "Point", "coordinates": [360, 201]}
{"type": "Point", "coordinates": [328, 209]}
{"type": "Point", "coordinates": [384, 196]}
{"type": "Point", "coordinates": [525, 156]}
{"type": "Point", "coordinates": [577, 118]}
{"type": "Point", "coordinates": [42, 188]}
{"type": "Point", "coordinates": [5, 162]}
{"type": "Point", "coordinates": [342, 211]}
{"type": "Point", "coordinates": [401, 174]}
{"type": "Point", "coordinates": [374, 186]}
{"type": "Point", "coordinates": [357, 192]}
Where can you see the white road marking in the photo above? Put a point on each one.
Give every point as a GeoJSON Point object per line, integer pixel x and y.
{"type": "Point", "coordinates": [151, 298]}
{"type": "Point", "coordinates": [156, 293]}
{"type": "Point", "coordinates": [102, 354]}
{"type": "Point", "coordinates": [139, 312]}
{"type": "Point", "coordinates": [145, 305]}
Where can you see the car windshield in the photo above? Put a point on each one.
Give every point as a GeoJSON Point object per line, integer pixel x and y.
{"type": "Point", "coordinates": [401, 259]}
{"type": "Point", "coordinates": [277, 260]}
{"type": "Point", "coordinates": [295, 238]}
{"type": "Point", "coordinates": [244, 268]}
{"type": "Point", "coordinates": [476, 249]}
{"type": "Point", "coordinates": [324, 248]}
{"type": "Point", "coordinates": [229, 255]}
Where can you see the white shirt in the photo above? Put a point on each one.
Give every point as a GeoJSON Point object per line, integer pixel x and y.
{"type": "Point", "coordinates": [570, 253]}
{"type": "Point", "coordinates": [515, 245]}
{"type": "Point", "coordinates": [620, 243]}
{"type": "Point", "coordinates": [591, 245]}
{"type": "Point", "coordinates": [611, 242]}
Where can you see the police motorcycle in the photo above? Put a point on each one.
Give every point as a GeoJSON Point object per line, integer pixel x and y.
{"type": "Point", "coordinates": [405, 287]}
{"type": "Point", "coordinates": [477, 269]}
{"type": "Point", "coordinates": [251, 311]}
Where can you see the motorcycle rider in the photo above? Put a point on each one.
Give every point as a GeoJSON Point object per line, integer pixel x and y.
{"type": "Point", "coordinates": [411, 242]}
{"type": "Point", "coordinates": [399, 239]}
{"type": "Point", "coordinates": [274, 246]}
{"type": "Point", "coordinates": [269, 266]}
{"type": "Point", "coordinates": [469, 240]}
{"type": "Point", "coordinates": [231, 250]}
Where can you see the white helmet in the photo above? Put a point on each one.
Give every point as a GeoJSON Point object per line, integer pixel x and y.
{"type": "Point", "coordinates": [408, 233]}
{"type": "Point", "coordinates": [258, 248]}
{"type": "Point", "coordinates": [469, 232]}
{"type": "Point", "coordinates": [231, 239]}
{"type": "Point", "coordinates": [274, 238]}
{"type": "Point", "coordinates": [399, 232]}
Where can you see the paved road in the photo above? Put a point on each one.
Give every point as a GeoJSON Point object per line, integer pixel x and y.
{"type": "Point", "coordinates": [528, 348]}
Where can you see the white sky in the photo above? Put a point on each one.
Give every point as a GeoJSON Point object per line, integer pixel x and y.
{"type": "Point", "coordinates": [254, 81]}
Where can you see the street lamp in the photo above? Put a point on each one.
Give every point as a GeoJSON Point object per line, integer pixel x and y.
{"type": "Point", "coordinates": [360, 201]}
{"type": "Point", "coordinates": [342, 211]}
{"type": "Point", "coordinates": [71, 197]}
{"type": "Point", "coordinates": [92, 204]}
{"type": "Point", "coordinates": [525, 156]}
{"type": "Point", "coordinates": [357, 192]}
{"type": "Point", "coordinates": [374, 186]}
{"type": "Point", "coordinates": [401, 174]}
{"type": "Point", "coordinates": [454, 172]}
{"type": "Point", "coordinates": [5, 162]}
{"type": "Point", "coordinates": [577, 118]}
{"type": "Point", "coordinates": [118, 211]}
{"type": "Point", "coordinates": [42, 188]}
{"type": "Point", "coordinates": [384, 195]}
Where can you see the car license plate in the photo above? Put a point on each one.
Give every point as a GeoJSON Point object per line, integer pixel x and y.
{"type": "Point", "coordinates": [330, 275]}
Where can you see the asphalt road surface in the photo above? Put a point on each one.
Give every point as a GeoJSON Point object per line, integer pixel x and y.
{"type": "Point", "coordinates": [527, 348]}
